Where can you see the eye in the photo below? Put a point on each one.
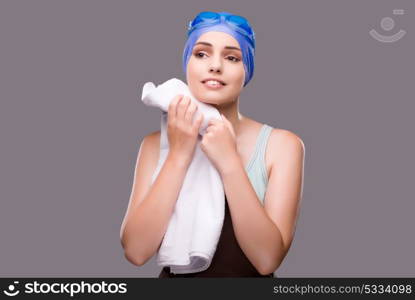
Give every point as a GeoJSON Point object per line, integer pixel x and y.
{"type": "Point", "coordinates": [197, 54]}
{"type": "Point", "coordinates": [234, 59]}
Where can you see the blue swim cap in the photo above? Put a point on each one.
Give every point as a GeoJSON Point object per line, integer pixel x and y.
{"type": "Point", "coordinates": [236, 26]}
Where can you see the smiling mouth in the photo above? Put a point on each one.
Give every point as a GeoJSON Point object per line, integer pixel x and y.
{"type": "Point", "coordinates": [213, 83]}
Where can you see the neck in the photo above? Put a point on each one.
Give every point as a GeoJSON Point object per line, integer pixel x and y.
{"type": "Point", "coordinates": [231, 112]}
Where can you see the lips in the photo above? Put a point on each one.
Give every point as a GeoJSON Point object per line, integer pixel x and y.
{"type": "Point", "coordinates": [213, 79]}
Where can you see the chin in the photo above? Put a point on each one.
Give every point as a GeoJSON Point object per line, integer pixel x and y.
{"type": "Point", "coordinates": [210, 99]}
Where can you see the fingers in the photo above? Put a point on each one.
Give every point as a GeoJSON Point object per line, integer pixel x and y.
{"type": "Point", "coordinates": [198, 121]}
{"type": "Point", "coordinates": [190, 111]}
{"type": "Point", "coordinates": [214, 124]}
{"type": "Point", "coordinates": [213, 121]}
{"type": "Point", "coordinates": [182, 107]}
{"type": "Point", "coordinates": [173, 107]}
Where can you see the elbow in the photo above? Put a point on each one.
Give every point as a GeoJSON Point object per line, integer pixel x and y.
{"type": "Point", "coordinates": [134, 259]}
{"type": "Point", "coordinates": [269, 266]}
{"type": "Point", "coordinates": [131, 255]}
{"type": "Point", "coordinates": [273, 261]}
{"type": "Point", "coordinates": [128, 254]}
{"type": "Point", "coordinates": [134, 255]}
{"type": "Point", "coordinates": [266, 270]}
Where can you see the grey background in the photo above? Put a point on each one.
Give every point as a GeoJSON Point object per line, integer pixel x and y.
{"type": "Point", "coordinates": [71, 125]}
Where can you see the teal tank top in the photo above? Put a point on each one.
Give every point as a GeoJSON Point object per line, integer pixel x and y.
{"type": "Point", "coordinates": [256, 168]}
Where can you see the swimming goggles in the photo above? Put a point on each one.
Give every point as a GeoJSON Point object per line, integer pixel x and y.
{"type": "Point", "coordinates": [238, 23]}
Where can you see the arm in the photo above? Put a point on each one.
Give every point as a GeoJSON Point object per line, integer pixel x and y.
{"type": "Point", "coordinates": [150, 206]}
{"type": "Point", "coordinates": [265, 233]}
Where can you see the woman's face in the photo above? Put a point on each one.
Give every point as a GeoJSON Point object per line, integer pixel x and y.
{"type": "Point", "coordinates": [216, 55]}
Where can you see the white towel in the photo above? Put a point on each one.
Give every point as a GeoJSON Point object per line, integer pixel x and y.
{"type": "Point", "coordinates": [196, 223]}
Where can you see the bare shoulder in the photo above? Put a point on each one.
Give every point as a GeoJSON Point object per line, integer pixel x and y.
{"type": "Point", "coordinates": [286, 138]}
{"type": "Point", "coordinates": [280, 139]}
{"type": "Point", "coordinates": [149, 151]}
{"type": "Point", "coordinates": [152, 140]}
{"type": "Point", "coordinates": [283, 143]}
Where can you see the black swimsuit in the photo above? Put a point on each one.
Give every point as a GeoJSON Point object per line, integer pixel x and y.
{"type": "Point", "coordinates": [228, 261]}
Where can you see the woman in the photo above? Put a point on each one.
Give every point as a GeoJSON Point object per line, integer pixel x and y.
{"type": "Point", "coordinates": [261, 167]}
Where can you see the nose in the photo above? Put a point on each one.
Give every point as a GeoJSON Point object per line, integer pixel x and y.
{"type": "Point", "coordinates": [215, 69]}
{"type": "Point", "coordinates": [215, 65]}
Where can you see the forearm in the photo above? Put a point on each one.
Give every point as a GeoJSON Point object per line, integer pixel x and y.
{"type": "Point", "coordinates": [257, 235]}
{"type": "Point", "coordinates": [148, 221]}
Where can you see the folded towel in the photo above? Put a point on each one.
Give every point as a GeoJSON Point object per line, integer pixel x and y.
{"type": "Point", "coordinates": [195, 226]}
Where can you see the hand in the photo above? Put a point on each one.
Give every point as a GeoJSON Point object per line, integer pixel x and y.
{"type": "Point", "coordinates": [219, 143]}
{"type": "Point", "coordinates": [181, 130]}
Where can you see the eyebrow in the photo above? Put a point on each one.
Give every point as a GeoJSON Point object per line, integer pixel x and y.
{"type": "Point", "coordinates": [226, 47]}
